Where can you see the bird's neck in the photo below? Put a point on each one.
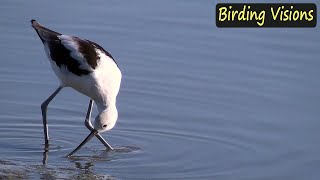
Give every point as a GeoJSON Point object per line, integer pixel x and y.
{"type": "Point", "coordinates": [102, 105]}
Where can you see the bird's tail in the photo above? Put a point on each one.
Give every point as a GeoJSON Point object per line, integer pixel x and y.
{"type": "Point", "coordinates": [44, 33]}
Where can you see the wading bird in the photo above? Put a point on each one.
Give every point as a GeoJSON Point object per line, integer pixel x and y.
{"type": "Point", "coordinates": [89, 69]}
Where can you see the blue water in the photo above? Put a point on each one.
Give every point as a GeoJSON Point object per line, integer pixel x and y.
{"type": "Point", "coordinates": [196, 101]}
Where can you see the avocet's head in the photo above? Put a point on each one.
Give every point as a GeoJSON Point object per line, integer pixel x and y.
{"type": "Point", "coordinates": [106, 119]}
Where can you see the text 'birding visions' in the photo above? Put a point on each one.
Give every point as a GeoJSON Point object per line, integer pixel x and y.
{"type": "Point", "coordinates": [266, 15]}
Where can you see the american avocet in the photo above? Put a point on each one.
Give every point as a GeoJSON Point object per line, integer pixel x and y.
{"type": "Point", "coordinates": [88, 68]}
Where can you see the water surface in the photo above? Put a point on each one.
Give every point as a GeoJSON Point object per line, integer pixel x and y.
{"type": "Point", "coordinates": [196, 102]}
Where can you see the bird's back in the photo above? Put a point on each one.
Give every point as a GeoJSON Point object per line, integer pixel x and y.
{"type": "Point", "coordinates": [80, 63]}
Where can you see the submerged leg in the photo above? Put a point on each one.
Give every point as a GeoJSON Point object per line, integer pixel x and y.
{"type": "Point", "coordinates": [44, 106]}
{"type": "Point", "coordinates": [93, 133]}
{"type": "Point", "coordinates": [88, 124]}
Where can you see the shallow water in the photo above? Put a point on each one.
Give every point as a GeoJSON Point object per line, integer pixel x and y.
{"type": "Point", "coordinates": [196, 102]}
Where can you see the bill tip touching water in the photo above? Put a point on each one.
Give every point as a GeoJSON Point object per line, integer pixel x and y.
{"type": "Point", "coordinates": [89, 69]}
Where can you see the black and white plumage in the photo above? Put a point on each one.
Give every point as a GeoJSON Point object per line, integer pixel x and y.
{"type": "Point", "coordinates": [88, 68]}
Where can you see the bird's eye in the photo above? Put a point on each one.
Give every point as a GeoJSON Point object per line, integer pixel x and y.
{"type": "Point", "coordinates": [104, 125]}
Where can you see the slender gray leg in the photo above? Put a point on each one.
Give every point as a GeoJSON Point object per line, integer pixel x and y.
{"type": "Point", "coordinates": [44, 106]}
{"type": "Point", "coordinates": [88, 124]}
{"type": "Point", "coordinates": [45, 155]}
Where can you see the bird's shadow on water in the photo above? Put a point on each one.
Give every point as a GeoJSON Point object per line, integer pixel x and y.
{"type": "Point", "coordinates": [83, 165]}
{"type": "Point", "coordinates": [104, 155]}
{"type": "Point", "coordinates": [100, 155]}
{"type": "Point", "coordinates": [83, 168]}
